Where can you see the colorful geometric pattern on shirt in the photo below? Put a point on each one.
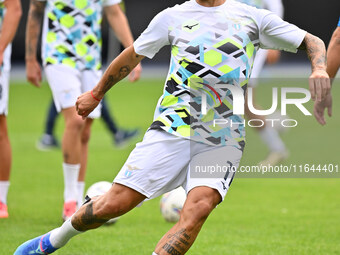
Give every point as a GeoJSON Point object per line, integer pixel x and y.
{"type": "Point", "coordinates": [72, 33]}
{"type": "Point", "coordinates": [214, 52]}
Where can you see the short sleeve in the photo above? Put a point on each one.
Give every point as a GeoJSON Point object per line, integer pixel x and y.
{"type": "Point", "coordinates": [274, 33]}
{"type": "Point", "coordinates": [154, 37]}
{"type": "Point", "coordinates": [111, 2]}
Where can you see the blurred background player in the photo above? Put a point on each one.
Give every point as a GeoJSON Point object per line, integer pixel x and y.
{"type": "Point", "coordinates": [269, 135]}
{"type": "Point", "coordinates": [333, 65]}
{"type": "Point", "coordinates": [120, 136]}
{"type": "Point", "coordinates": [10, 13]}
{"type": "Point", "coordinates": [71, 44]}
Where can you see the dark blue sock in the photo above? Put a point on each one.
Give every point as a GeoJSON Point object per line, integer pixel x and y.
{"type": "Point", "coordinates": [51, 119]}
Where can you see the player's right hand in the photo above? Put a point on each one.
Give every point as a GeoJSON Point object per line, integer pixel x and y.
{"type": "Point", "coordinates": [319, 109]}
{"type": "Point", "coordinates": [319, 85]}
{"type": "Point", "coordinates": [33, 72]}
{"type": "Point", "coordinates": [86, 104]}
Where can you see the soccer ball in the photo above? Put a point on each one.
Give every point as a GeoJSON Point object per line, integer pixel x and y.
{"type": "Point", "coordinates": [172, 203]}
{"type": "Point", "coordinates": [98, 189]}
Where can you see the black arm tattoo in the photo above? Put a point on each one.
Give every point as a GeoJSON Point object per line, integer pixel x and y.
{"type": "Point", "coordinates": [112, 80]}
{"type": "Point", "coordinates": [34, 20]}
{"type": "Point", "coordinates": [87, 220]}
{"type": "Point", "coordinates": [316, 51]}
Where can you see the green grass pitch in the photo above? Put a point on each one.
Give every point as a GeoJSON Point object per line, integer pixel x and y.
{"type": "Point", "coordinates": [259, 216]}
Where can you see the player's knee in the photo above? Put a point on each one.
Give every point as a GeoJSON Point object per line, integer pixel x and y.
{"type": "Point", "coordinates": [75, 124]}
{"type": "Point", "coordinates": [194, 214]}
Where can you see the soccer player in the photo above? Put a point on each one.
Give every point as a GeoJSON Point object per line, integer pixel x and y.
{"type": "Point", "coordinates": [213, 43]}
{"type": "Point", "coordinates": [10, 13]}
{"type": "Point", "coordinates": [269, 135]}
{"type": "Point", "coordinates": [71, 45]}
{"type": "Point", "coordinates": [333, 65]}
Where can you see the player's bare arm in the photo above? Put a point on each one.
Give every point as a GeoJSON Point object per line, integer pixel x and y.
{"type": "Point", "coordinates": [319, 83]}
{"type": "Point", "coordinates": [333, 64]}
{"type": "Point", "coordinates": [333, 54]}
{"type": "Point", "coordinates": [120, 25]}
{"type": "Point", "coordinates": [118, 70]}
{"type": "Point", "coordinates": [33, 27]}
{"type": "Point", "coordinates": [10, 24]}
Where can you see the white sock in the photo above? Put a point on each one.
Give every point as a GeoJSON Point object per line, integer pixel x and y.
{"type": "Point", "coordinates": [60, 236]}
{"type": "Point", "coordinates": [80, 188]}
{"type": "Point", "coordinates": [71, 173]}
{"type": "Point", "coordinates": [271, 138]}
{"type": "Point", "coordinates": [4, 185]}
{"type": "Point", "coordinates": [154, 253]}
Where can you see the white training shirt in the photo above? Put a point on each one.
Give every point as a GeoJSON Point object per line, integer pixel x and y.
{"type": "Point", "coordinates": [210, 46]}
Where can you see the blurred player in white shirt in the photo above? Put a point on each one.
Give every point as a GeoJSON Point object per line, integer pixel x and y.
{"type": "Point", "coordinates": [71, 53]}
{"type": "Point", "coordinates": [10, 13]}
{"type": "Point", "coordinates": [269, 135]}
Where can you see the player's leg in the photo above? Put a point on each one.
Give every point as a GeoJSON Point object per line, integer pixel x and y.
{"type": "Point", "coordinates": [5, 147]}
{"type": "Point", "coordinates": [153, 168]}
{"type": "Point", "coordinates": [48, 140]}
{"type": "Point", "coordinates": [85, 137]}
{"type": "Point", "coordinates": [205, 191]}
{"type": "Point", "coordinates": [65, 83]}
{"type": "Point", "coordinates": [5, 166]}
{"type": "Point", "coordinates": [199, 204]}
{"type": "Point", "coordinates": [116, 202]}
{"type": "Point", "coordinates": [88, 79]}
{"type": "Point", "coordinates": [71, 148]}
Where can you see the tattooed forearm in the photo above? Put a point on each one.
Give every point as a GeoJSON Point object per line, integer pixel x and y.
{"type": "Point", "coordinates": [113, 79]}
{"type": "Point", "coordinates": [178, 243]}
{"type": "Point", "coordinates": [34, 20]}
{"type": "Point", "coordinates": [118, 70]}
{"type": "Point", "coordinates": [316, 51]}
{"type": "Point", "coordinates": [86, 220]}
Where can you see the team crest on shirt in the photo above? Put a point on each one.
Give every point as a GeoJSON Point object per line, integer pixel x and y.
{"type": "Point", "coordinates": [191, 26]}
{"type": "Point", "coordinates": [129, 170]}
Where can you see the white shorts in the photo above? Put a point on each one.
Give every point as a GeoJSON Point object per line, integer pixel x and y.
{"type": "Point", "coordinates": [4, 81]}
{"type": "Point", "coordinates": [67, 84]}
{"type": "Point", "coordinates": [163, 162]}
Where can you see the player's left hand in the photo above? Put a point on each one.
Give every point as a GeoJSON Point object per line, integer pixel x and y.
{"type": "Point", "coordinates": [319, 109]}
{"type": "Point", "coordinates": [86, 104]}
{"type": "Point", "coordinates": [136, 73]}
{"type": "Point", "coordinates": [319, 85]}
